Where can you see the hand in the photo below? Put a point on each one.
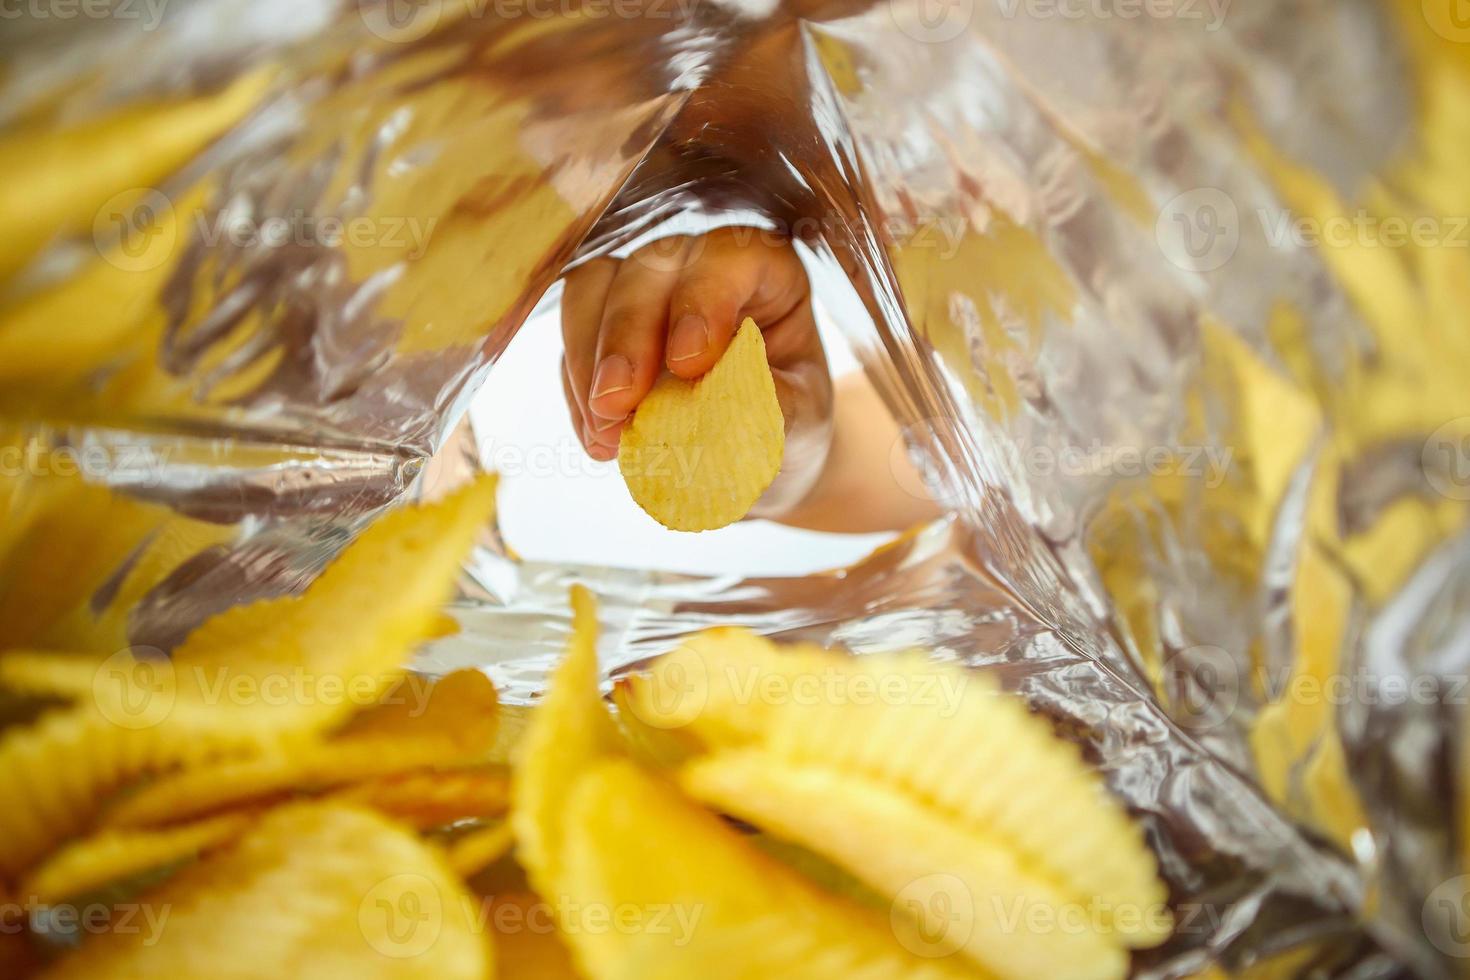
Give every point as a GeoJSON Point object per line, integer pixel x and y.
{"type": "Point", "coordinates": [675, 305]}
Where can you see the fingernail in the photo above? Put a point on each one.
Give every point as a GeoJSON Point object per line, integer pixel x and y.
{"type": "Point", "coordinates": [615, 373]}
{"type": "Point", "coordinates": [690, 337]}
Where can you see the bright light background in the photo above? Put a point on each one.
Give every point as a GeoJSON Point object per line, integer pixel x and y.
{"type": "Point", "coordinates": [557, 504]}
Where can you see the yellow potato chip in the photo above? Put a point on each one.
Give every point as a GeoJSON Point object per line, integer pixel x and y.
{"type": "Point", "coordinates": [57, 771]}
{"type": "Point", "coordinates": [972, 893]}
{"type": "Point", "coordinates": [285, 768]}
{"type": "Point", "coordinates": [569, 731]}
{"type": "Point", "coordinates": [116, 855]}
{"type": "Point", "coordinates": [596, 834]}
{"type": "Point", "coordinates": [461, 705]}
{"type": "Point", "coordinates": [357, 622]}
{"type": "Point", "coordinates": [255, 670]}
{"type": "Point", "coordinates": [949, 735]}
{"type": "Point", "coordinates": [655, 747]}
{"type": "Point", "coordinates": [712, 689]}
{"type": "Point", "coordinates": [49, 674]}
{"type": "Point", "coordinates": [426, 800]}
{"type": "Point", "coordinates": [417, 724]}
{"type": "Point", "coordinates": [478, 849]}
{"type": "Point", "coordinates": [725, 909]}
{"type": "Point", "coordinates": [304, 663]}
{"type": "Point", "coordinates": [311, 891]}
{"type": "Point", "coordinates": [75, 539]}
{"type": "Point", "coordinates": [699, 454]}
{"type": "Point", "coordinates": [78, 326]}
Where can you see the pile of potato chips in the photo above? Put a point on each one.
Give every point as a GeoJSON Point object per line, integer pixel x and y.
{"type": "Point", "coordinates": [279, 797]}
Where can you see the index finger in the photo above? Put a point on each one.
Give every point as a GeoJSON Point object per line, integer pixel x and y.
{"type": "Point", "coordinates": [731, 279]}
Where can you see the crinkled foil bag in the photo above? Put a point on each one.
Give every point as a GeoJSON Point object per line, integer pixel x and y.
{"type": "Point", "coordinates": [1170, 297]}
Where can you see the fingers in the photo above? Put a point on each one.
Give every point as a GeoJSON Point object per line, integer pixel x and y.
{"type": "Point", "coordinates": [726, 281]}
{"type": "Point", "coordinates": [631, 337]}
{"type": "Point", "coordinates": [583, 298]}
{"type": "Point", "coordinates": [675, 303]}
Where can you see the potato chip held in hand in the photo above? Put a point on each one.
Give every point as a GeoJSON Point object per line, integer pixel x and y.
{"type": "Point", "coordinates": [699, 454]}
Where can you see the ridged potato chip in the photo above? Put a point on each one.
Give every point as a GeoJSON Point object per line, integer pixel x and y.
{"type": "Point", "coordinates": [419, 726]}
{"type": "Point", "coordinates": [426, 800]}
{"type": "Point", "coordinates": [275, 774]}
{"type": "Point", "coordinates": [941, 794]}
{"type": "Point", "coordinates": [313, 891]}
{"type": "Point", "coordinates": [352, 629]}
{"type": "Point", "coordinates": [699, 454]}
{"type": "Point", "coordinates": [57, 771]}
{"type": "Point", "coordinates": [973, 893]}
{"type": "Point", "coordinates": [461, 705]}
{"type": "Point", "coordinates": [116, 855]}
{"type": "Point", "coordinates": [595, 833]}
{"type": "Point", "coordinates": [725, 909]}
{"type": "Point", "coordinates": [938, 731]}
{"type": "Point", "coordinates": [569, 731]}
{"type": "Point", "coordinates": [705, 691]}
{"type": "Point", "coordinates": [950, 736]}
{"type": "Point", "coordinates": [358, 621]}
